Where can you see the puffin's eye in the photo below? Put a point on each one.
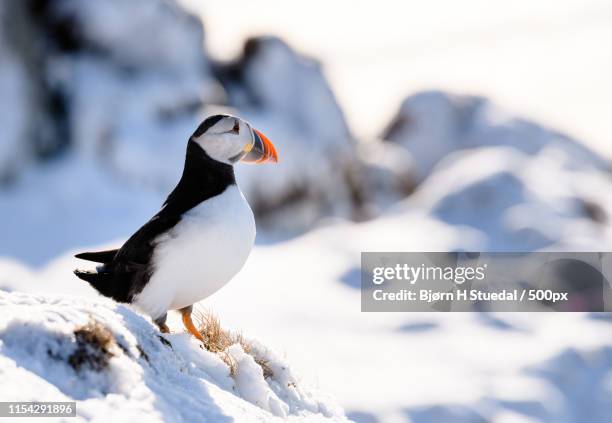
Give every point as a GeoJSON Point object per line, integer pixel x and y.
{"type": "Point", "coordinates": [236, 128]}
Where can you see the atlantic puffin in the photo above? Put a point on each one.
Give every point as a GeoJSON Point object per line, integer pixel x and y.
{"type": "Point", "coordinates": [199, 239]}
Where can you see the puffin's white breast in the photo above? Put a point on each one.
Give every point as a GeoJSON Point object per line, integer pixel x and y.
{"type": "Point", "coordinates": [200, 254]}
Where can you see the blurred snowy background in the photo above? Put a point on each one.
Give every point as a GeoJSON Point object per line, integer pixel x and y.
{"type": "Point", "coordinates": [412, 126]}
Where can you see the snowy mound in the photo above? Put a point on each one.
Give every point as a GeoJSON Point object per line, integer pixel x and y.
{"type": "Point", "coordinates": [520, 202]}
{"type": "Point", "coordinates": [433, 124]}
{"type": "Point", "coordinates": [115, 364]}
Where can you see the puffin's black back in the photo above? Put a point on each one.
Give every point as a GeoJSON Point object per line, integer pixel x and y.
{"type": "Point", "coordinates": [127, 270]}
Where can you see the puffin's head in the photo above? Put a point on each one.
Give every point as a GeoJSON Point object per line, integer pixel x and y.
{"type": "Point", "coordinates": [229, 139]}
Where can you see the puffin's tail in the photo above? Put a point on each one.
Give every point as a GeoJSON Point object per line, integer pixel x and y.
{"type": "Point", "coordinates": [99, 281]}
{"type": "Point", "coordinates": [98, 256]}
{"type": "Point", "coordinates": [88, 275]}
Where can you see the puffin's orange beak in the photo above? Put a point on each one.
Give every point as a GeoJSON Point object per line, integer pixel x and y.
{"type": "Point", "coordinates": [262, 150]}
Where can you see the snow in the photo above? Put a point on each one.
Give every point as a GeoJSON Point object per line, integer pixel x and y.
{"type": "Point", "coordinates": [301, 297]}
{"type": "Point", "coordinates": [421, 365]}
{"type": "Point", "coordinates": [138, 374]}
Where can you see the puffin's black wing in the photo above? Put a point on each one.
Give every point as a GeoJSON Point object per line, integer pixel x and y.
{"type": "Point", "coordinates": [130, 268]}
{"type": "Point", "coordinates": [139, 247]}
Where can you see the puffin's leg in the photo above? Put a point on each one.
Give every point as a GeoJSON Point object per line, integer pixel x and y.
{"type": "Point", "coordinates": [161, 323]}
{"type": "Point", "coordinates": [186, 312]}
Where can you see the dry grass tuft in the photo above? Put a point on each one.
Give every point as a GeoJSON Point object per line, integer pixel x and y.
{"type": "Point", "coordinates": [94, 344]}
{"type": "Point", "coordinates": [217, 340]}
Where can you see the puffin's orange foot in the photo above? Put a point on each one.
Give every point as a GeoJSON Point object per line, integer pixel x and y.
{"type": "Point", "coordinates": [161, 324]}
{"type": "Point", "coordinates": [186, 312]}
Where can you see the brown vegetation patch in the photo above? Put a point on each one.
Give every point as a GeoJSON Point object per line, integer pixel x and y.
{"type": "Point", "coordinates": [217, 340]}
{"type": "Point", "coordinates": [94, 347]}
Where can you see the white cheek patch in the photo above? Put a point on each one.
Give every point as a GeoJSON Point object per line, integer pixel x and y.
{"type": "Point", "coordinates": [224, 148]}
{"type": "Point", "coordinates": [219, 146]}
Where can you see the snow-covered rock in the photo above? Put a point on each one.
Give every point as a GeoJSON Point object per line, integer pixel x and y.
{"type": "Point", "coordinates": [433, 124]}
{"type": "Point", "coordinates": [518, 201]}
{"type": "Point", "coordinates": [118, 367]}
{"type": "Point", "coordinates": [14, 107]}
{"type": "Point", "coordinates": [135, 76]}
{"type": "Point", "coordinates": [109, 76]}
{"type": "Point", "coordinates": [383, 175]}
